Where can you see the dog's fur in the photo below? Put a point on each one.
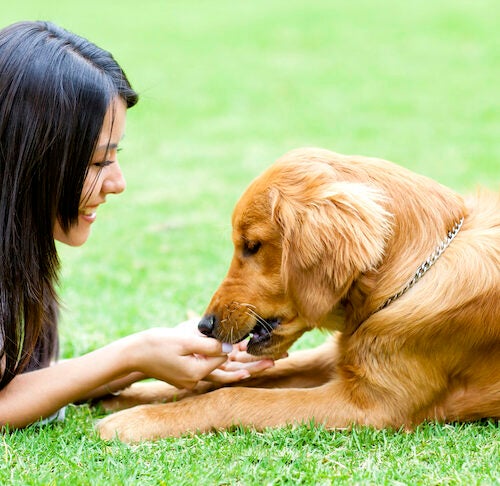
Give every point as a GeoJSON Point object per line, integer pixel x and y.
{"type": "Point", "coordinates": [323, 240]}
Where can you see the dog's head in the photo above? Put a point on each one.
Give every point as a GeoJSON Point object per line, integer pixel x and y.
{"type": "Point", "coordinates": [301, 234]}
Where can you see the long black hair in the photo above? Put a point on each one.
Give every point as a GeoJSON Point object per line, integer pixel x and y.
{"type": "Point", "coordinates": [55, 89]}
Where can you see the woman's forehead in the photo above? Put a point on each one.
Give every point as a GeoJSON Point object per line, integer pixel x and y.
{"type": "Point", "coordinates": [113, 126]}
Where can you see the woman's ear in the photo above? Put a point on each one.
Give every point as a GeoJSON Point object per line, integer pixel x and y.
{"type": "Point", "coordinates": [331, 232]}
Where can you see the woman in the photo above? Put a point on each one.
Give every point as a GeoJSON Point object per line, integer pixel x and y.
{"type": "Point", "coordinates": [63, 103]}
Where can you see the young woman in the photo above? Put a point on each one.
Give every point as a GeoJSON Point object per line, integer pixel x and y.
{"type": "Point", "coordinates": [63, 103]}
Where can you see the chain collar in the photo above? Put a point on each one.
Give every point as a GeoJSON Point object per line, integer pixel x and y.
{"type": "Point", "coordinates": [422, 269]}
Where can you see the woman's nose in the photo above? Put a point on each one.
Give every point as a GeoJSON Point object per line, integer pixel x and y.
{"type": "Point", "coordinates": [114, 183]}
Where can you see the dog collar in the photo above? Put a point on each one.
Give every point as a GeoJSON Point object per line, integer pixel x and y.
{"type": "Point", "coordinates": [422, 269]}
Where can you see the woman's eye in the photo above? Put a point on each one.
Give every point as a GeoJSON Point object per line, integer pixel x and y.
{"type": "Point", "coordinates": [102, 164]}
{"type": "Point", "coordinates": [251, 247]}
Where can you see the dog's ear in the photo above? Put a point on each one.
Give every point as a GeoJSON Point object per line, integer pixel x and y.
{"type": "Point", "coordinates": [331, 232]}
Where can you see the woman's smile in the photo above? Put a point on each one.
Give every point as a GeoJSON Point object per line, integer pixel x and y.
{"type": "Point", "coordinates": [88, 214]}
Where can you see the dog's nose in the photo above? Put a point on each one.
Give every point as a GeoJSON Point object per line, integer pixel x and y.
{"type": "Point", "coordinates": [207, 324]}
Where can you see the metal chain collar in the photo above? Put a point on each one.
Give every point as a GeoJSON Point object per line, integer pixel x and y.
{"type": "Point", "coordinates": [422, 269]}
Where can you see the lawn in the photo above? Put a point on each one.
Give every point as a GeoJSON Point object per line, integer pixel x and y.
{"type": "Point", "coordinates": [227, 87]}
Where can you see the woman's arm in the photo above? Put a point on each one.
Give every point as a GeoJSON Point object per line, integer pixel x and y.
{"type": "Point", "coordinates": [163, 353]}
{"type": "Point", "coordinates": [38, 394]}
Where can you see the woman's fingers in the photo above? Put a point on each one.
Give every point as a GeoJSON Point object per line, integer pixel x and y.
{"type": "Point", "coordinates": [232, 371]}
{"type": "Point", "coordinates": [225, 377]}
{"type": "Point", "coordinates": [206, 346]}
{"type": "Point", "coordinates": [251, 366]}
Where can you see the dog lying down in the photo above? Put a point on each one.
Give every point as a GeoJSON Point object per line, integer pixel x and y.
{"type": "Point", "coordinates": [401, 270]}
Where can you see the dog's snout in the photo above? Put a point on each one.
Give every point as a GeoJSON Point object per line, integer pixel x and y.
{"type": "Point", "coordinates": [207, 325]}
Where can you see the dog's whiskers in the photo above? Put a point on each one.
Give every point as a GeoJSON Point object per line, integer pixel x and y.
{"type": "Point", "coordinates": [230, 319]}
{"type": "Point", "coordinates": [247, 305]}
{"type": "Point", "coordinates": [260, 320]}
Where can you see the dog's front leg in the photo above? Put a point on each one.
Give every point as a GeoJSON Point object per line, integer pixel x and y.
{"type": "Point", "coordinates": [302, 369]}
{"type": "Point", "coordinates": [151, 392]}
{"type": "Point", "coordinates": [256, 408]}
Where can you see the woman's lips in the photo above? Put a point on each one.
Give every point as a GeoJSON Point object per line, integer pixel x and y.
{"type": "Point", "coordinates": [88, 215]}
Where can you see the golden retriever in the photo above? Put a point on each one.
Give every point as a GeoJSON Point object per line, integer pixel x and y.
{"type": "Point", "coordinates": [402, 271]}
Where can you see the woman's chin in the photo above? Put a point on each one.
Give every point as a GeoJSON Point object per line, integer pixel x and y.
{"type": "Point", "coordinates": [73, 237]}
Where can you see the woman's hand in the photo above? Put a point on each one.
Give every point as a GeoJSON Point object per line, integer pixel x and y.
{"type": "Point", "coordinates": [182, 356]}
{"type": "Point", "coordinates": [178, 355]}
{"type": "Point", "coordinates": [239, 365]}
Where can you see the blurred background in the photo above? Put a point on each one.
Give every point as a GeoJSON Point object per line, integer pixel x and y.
{"type": "Point", "coordinates": [226, 88]}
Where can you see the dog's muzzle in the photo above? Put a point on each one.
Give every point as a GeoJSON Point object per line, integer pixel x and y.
{"type": "Point", "coordinates": [259, 334]}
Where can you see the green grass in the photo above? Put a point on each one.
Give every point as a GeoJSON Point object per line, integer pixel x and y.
{"type": "Point", "coordinates": [433, 454]}
{"type": "Point", "coordinates": [226, 88]}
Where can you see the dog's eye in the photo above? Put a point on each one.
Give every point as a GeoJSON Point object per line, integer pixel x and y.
{"type": "Point", "coordinates": [251, 247]}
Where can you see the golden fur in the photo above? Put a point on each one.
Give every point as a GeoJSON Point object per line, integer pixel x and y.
{"type": "Point", "coordinates": [322, 240]}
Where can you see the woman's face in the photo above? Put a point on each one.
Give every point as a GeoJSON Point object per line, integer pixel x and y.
{"type": "Point", "coordinates": [104, 176]}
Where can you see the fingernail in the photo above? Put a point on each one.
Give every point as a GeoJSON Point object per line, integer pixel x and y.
{"type": "Point", "coordinates": [227, 347]}
{"type": "Point", "coordinates": [244, 374]}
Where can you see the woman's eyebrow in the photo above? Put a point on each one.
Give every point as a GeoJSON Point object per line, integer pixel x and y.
{"type": "Point", "coordinates": [107, 146]}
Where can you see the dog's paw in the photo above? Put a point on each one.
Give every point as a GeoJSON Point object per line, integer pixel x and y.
{"type": "Point", "coordinates": [110, 428]}
{"type": "Point", "coordinates": [127, 426]}
{"type": "Point", "coordinates": [145, 423]}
